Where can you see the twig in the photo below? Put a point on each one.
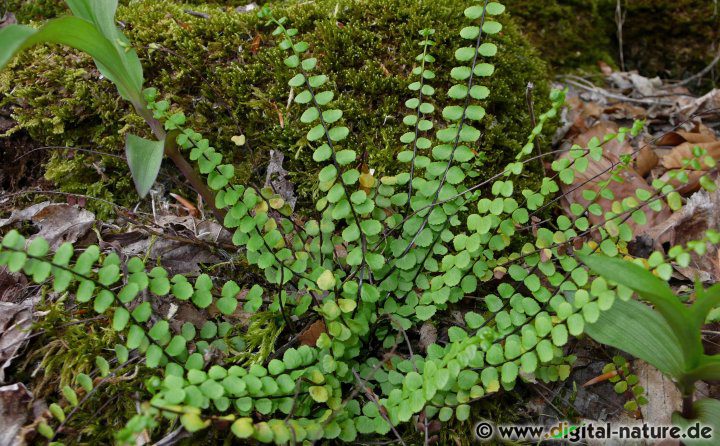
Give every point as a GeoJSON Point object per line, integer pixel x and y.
{"type": "Point", "coordinates": [425, 426]}
{"type": "Point", "coordinates": [620, 21]}
{"type": "Point", "coordinates": [533, 121]}
{"type": "Point", "coordinates": [78, 149]}
{"type": "Point", "coordinates": [407, 341]}
{"type": "Point", "coordinates": [201, 15]}
{"type": "Point", "coordinates": [618, 97]}
{"type": "Point", "coordinates": [173, 437]}
{"type": "Point", "coordinates": [702, 73]}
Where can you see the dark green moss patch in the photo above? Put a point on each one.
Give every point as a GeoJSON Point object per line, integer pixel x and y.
{"type": "Point", "coordinates": [667, 38]}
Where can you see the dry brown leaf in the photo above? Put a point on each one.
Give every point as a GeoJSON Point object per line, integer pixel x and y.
{"type": "Point", "coordinates": [255, 45]}
{"type": "Point", "coordinates": [599, 171]}
{"type": "Point", "coordinates": [709, 104]}
{"type": "Point", "coordinates": [15, 321]}
{"type": "Point", "coordinates": [57, 222]}
{"type": "Point", "coordinates": [13, 287]}
{"type": "Point", "coordinates": [15, 410]}
{"type": "Point", "coordinates": [624, 110]}
{"type": "Point", "coordinates": [680, 154]}
{"type": "Point", "coordinates": [614, 149]}
{"type": "Point", "coordinates": [701, 133]}
{"type": "Point", "coordinates": [310, 335]}
{"type": "Point", "coordinates": [646, 160]}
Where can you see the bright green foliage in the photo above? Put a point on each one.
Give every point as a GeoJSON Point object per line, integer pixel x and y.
{"type": "Point", "coordinates": [669, 337]}
{"type": "Point", "coordinates": [626, 383]}
{"type": "Point", "coordinates": [379, 256]}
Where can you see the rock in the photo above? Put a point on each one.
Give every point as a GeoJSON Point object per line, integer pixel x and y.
{"type": "Point", "coordinates": [15, 409]}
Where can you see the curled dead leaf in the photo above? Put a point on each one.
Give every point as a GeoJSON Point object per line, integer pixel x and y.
{"type": "Point", "coordinates": [310, 335]}
{"type": "Point", "coordinates": [646, 160]}
{"type": "Point", "coordinates": [700, 134]}
{"type": "Point", "coordinates": [57, 222]}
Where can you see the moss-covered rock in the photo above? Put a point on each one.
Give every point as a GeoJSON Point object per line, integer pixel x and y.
{"type": "Point", "coordinates": [671, 38]}
{"type": "Point", "coordinates": [228, 76]}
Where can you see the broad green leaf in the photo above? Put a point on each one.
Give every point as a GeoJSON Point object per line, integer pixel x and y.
{"type": "Point", "coordinates": [144, 158]}
{"type": "Point", "coordinates": [121, 67]}
{"type": "Point", "coordinates": [707, 370]}
{"type": "Point", "coordinates": [658, 293]}
{"type": "Point", "coordinates": [707, 412]}
{"type": "Point", "coordinates": [634, 328]}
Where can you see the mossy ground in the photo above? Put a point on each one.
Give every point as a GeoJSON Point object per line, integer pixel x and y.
{"type": "Point", "coordinates": [226, 73]}
{"type": "Point", "coordinates": [667, 38]}
{"type": "Point", "coordinates": [570, 34]}
{"type": "Point", "coordinates": [65, 347]}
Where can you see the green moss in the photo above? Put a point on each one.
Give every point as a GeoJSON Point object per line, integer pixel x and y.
{"type": "Point", "coordinates": [67, 347]}
{"type": "Point", "coordinates": [671, 38]}
{"type": "Point", "coordinates": [27, 10]}
{"type": "Point", "coordinates": [228, 76]}
{"type": "Point", "coordinates": [665, 37]}
{"type": "Point", "coordinates": [668, 38]}
{"type": "Point", "coordinates": [570, 34]}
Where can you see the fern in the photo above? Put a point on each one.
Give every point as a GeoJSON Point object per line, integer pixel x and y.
{"type": "Point", "coordinates": [378, 258]}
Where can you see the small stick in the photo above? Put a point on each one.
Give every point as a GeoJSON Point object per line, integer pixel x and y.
{"type": "Point", "coordinates": [702, 73]}
{"type": "Point", "coordinates": [533, 121]}
{"type": "Point", "coordinates": [202, 15]}
{"type": "Point", "coordinates": [620, 21]}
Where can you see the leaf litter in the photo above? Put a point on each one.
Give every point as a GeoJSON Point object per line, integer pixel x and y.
{"type": "Point", "coordinates": [678, 124]}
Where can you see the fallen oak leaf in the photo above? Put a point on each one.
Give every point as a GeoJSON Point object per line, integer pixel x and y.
{"type": "Point", "coordinates": [600, 171]}
{"type": "Point", "coordinates": [699, 134]}
{"type": "Point", "coordinates": [680, 155]}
